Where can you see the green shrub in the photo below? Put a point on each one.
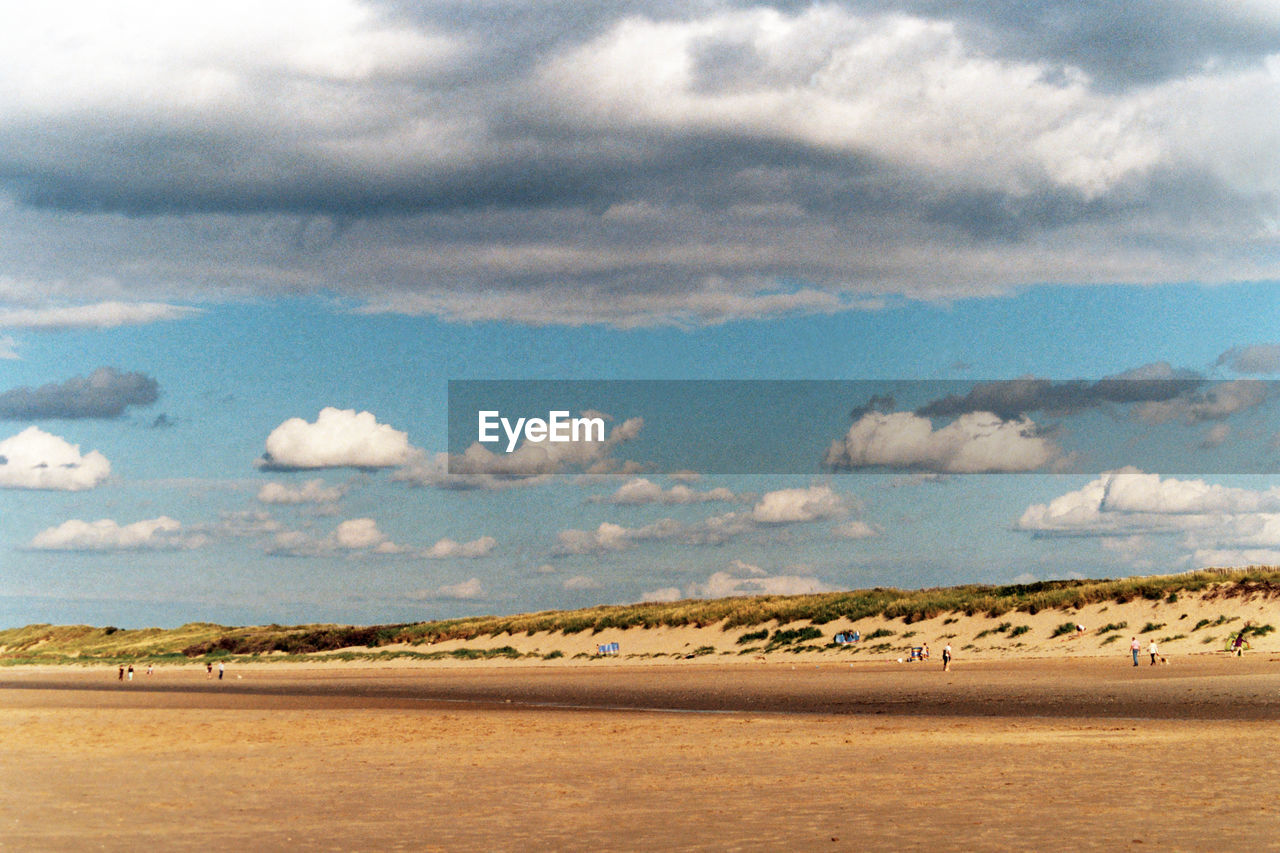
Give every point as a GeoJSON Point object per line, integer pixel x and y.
{"type": "Point", "coordinates": [752, 636]}
{"type": "Point", "coordinates": [1112, 626]}
{"type": "Point", "coordinates": [1151, 626]}
{"type": "Point", "coordinates": [1063, 629]}
{"type": "Point", "coordinates": [1019, 631]}
{"type": "Point", "coordinates": [793, 636]}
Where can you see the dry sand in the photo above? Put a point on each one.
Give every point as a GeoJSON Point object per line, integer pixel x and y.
{"type": "Point", "coordinates": [1092, 754]}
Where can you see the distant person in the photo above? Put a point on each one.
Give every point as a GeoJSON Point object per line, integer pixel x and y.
{"type": "Point", "coordinates": [208, 669]}
{"type": "Point", "coordinates": [1154, 651]}
{"type": "Point", "coordinates": [1237, 645]}
{"type": "Point", "coordinates": [130, 670]}
{"type": "Point", "coordinates": [122, 672]}
{"type": "Point", "coordinates": [1135, 647]}
{"type": "Point", "coordinates": [151, 668]}
{"type": "Point", "coordinates": [946, 657]}
{"type": "Point", "coordinates": [1079, 630]}
{"type": "Point", "coordinates": [221, 668]}
{"type": "Point", "coordinates": [924, 652]}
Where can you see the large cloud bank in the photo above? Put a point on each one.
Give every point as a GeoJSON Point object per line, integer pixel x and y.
{"type": "Point", "coordinates": [632, 164]}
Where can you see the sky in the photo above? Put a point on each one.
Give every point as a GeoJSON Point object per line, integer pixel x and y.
{"type": "Point", "coordinates": [1011, 270]}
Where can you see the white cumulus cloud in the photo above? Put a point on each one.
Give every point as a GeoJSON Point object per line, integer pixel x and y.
{"type": "Point", "coordinates": [469, 590]}
{"type": "Point", "coordinates": [108, 535]}
{"type": "Point", "coordinates": [642, 491]}
{"type": "Point", "coordinates": [339, 438]}
{"type": "Point", "coordinates": [35, 459]}
{"type": "Point", "coordinates": [448, 548]}
{"type": "Point", "coordinates": [312, 491]}
{"type": "Point", "coordinates": [975, 442]}
{"type": "Point", "coordinates": [791, 506]}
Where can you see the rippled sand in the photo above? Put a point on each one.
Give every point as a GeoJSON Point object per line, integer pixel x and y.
{"type": "Point", "coordinates": [998, 757]}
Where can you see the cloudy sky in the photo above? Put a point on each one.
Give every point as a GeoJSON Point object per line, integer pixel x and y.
{"type": "Point", "coordinates": [244, 249]}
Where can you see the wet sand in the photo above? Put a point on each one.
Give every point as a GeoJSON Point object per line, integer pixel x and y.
{"type": "Point", "coordinates": [1024, 755]}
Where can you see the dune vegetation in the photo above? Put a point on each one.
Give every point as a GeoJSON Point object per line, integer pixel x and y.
{"type": "Point", "coordinates": [82, 644]}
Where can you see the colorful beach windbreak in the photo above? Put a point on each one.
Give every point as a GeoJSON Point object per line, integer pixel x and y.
{"type": "Point", "coordinates": [378, 311]}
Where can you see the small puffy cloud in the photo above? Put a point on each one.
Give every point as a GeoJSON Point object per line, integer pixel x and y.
{"type": "Point", "coordinates": [358, 533]}
{"type": "Point", "coordinates": [774, 509]}
{"type": "Point", "coordinates": [742, 579]}
{"type": "Point", "coordinates": [34, 459]}
{"type": "Point", "coordinates": [312, 491]}
{"type": "Point", "coordinates": [106, 535]}
{"type": "Point", "coordinates": [247, 523]}
{"type": "Point", "coordinates": [641, 491]}
{"type": "Point", "coordinates": [468, 590]}
{"type": "Point", "coordinates": [664, 595]}
{"type": "Point", "coordinates": [791, 506]}
{"type": "Point", "coordinates": [726, 585]}
{"type": "Point", "coordinates": [104, 393]}
{"type": "Point", "coordinates": [855, 530]}
{"type": "Point", "coordinates": [976, 442]}
{"type": "Point", "coordinates": [339, 438]}
{"type": "Point", "coordinates": [1218, 558]}
{"type": "Point", "coordinates": [478, 467]}
{"type": "Point", "coordinates": [607, 537]}
{"type": "Point", "coordinates": [99, 315]}
{"type": "Point", "coordinates": [355, 535]}
{"type": "Point", "coordinates": [448, 548]}
{"type": "Point", "coordinates": [582, 582]}
{"type": "Point", "coordinates": [1255, 359]}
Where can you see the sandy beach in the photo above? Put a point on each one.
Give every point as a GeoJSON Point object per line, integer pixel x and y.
{"type": "Point", "coordinates": [991, 756]}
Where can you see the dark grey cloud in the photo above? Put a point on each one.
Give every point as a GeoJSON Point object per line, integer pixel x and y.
{"type": "Point", "coordinates": [1121, 44]}
{"type": "Point", "coordinates": [658, 162]}
{"type": "Point", "coordinates": [104, 393]}
{"type": "Point", "coordinates": [1016, 397]}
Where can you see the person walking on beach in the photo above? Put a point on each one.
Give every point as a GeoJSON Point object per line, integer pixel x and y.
{"type": "Point", "coordinates": [122, 672]}
{"type": "Point", "coordinates": [946, 657]}
{"type": "Point", "coordinates": [221, 667]}
{"type": "Point", "coordinates": [1237, 645]}
{"type": "Point", "coordinates": [1154, 652]}
{"type": "Point", "coordinates": [1135, 647]}
{"type": "Point", "coordinates": [208, 669]}
{"type": "Point", "coordinates": [131, 672]}
{"type": "Point", "coordinates": [150, 668]}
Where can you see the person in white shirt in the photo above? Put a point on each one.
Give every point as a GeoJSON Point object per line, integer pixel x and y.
{"type": "Point", "coordinates": [1135, 647]}
{"type": "Point", "coordinates": [1155, 652]}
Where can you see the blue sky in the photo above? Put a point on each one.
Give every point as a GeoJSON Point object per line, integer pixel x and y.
{"type": "Point", "coordinates": [238, 270]}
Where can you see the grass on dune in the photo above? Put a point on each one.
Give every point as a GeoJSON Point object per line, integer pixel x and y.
{"type": "Point", "coordinates": [48, 643]}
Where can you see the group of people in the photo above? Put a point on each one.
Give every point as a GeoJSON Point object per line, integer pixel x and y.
{"type": "Point", "coordinates": [127, 672]}
{"type": "Point", "coordinates": [1135, 646]}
